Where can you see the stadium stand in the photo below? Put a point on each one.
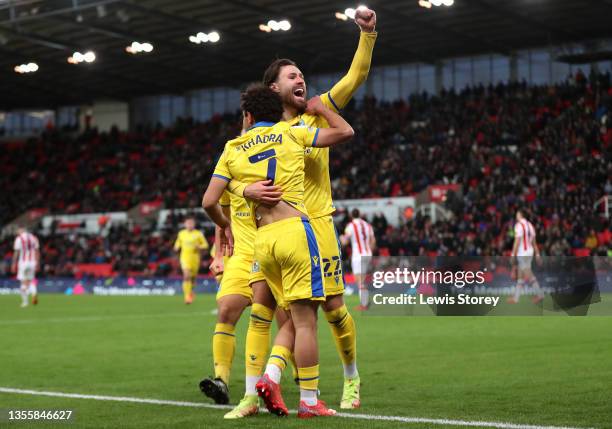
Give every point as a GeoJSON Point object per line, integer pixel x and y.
{"type": "Point", "coordinates": [547, 147]}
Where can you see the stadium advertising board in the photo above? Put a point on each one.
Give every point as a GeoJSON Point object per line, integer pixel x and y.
{"type": "Point", "coordinates": [392, 208]}
{"type": "Point", "coordinates": [111, 286]}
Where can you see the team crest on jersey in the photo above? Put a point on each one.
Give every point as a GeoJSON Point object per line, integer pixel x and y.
{"type": "Point", "coordinates": [302, 125]}
{"type": "Point", "coordinates": [255, 267]}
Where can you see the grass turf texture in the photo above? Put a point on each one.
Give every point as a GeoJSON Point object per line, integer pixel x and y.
{"type": "Point", "coordinates": [526, 370]}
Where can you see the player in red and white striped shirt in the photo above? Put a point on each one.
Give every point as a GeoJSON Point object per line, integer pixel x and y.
{"type": "Point", "coordinates": [524, 248]}
{"type": "Point", "coordinates": [363, 242]}
{"type": "Point", "coordinates": [26, 258]}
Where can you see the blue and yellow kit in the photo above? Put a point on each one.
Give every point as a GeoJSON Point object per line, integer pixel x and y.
{"type": "Point", "coordinates": [317, 184]}
{"type": "Point", "coordinates": [286, 251]}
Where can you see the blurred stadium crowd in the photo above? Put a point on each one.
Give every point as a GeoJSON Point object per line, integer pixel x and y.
{"type": "Point", "coordinates": [548, 148]}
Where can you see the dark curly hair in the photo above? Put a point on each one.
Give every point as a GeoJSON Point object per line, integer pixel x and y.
{"type": "Point", "coordinates": [261, 102]}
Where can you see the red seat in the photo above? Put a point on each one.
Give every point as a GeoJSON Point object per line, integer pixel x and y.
{"type": "Point", "coordinates": [582, 252]}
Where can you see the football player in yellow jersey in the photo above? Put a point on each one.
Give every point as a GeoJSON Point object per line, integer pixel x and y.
{"type": "Point", "coordinates": [239, 288]}
{"type": "Point", "coordinates": [285, 246]}
{"type": "Point", "coordinates": [237, 282]}
{"type": "Point", "coordinates": [285, 77]}
{"type": "Point", "coordinates": [234, 293]}
{"type": "Point", "coordinates": [190, 242]}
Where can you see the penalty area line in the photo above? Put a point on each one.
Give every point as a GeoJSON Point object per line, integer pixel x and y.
{"type": "Point", "coordinates": [443, 422]}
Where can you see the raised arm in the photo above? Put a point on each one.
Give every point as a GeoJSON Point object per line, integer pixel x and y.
{"type": "Point", "coordinates": [342, 92]}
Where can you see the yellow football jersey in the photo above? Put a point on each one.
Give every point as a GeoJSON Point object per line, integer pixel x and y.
{"type": "Point", "coordinates": [190, 242]}
{"type": "Point", "coordinates": [317, 183]}
{"type": "Point", "coordinates": [270, 151]}
{"type": "Point", "coordinates": [243, 225]}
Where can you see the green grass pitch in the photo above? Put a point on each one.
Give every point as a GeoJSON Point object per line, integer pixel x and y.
{"type": "Point", "coordinates": [541, 371]}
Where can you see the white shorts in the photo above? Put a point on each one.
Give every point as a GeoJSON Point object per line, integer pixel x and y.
{"type": "Point", "coordinates": [360, 264]}
{"type": "Point", "coordinates": [26, 271]}
{"type": "Point", "coordinates": [524, 262]}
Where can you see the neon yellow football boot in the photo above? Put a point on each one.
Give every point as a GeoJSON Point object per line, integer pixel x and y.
{"type": "Point", "coordinates": [248, 406]}
{"type": "Point", "coordinates": [350, 393]}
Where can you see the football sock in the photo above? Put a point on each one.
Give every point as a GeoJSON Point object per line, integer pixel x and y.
{"type": "Point", "coordinates": [364, 296]}
{"type": "Point", "coordinates": [279, 357]}
{"type": "Point", "coordinates": [308, 396]}
{"type": "Point", "coordinates": [187, 287]}
{"type": "Point", "coordinates": [343, 330]}
{"type": "Point", "coordinates": [517, 290]}
{"type": "Point", "coordinates": [251, 382]}
{"type": "Point", "coordinates": [309, 384]}
{"type": "Point", "coordinates": [224, 344]}
{"type": "Point", "coordinates": [257, 344]}
{"type": "Point", "coordinates": [24, 295]}
{"type": "Point", "coordinates": [274, 373]}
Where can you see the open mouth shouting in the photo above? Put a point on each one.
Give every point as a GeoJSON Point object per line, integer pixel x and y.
{"type": "Point", "coordinates": [299, 94]}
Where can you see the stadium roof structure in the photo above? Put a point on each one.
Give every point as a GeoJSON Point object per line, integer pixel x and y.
{"type": "Point", "coordinates": [48, 32]}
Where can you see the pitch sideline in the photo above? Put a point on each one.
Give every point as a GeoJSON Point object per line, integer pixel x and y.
{"type": "Point", "coordinates": [446, 422]}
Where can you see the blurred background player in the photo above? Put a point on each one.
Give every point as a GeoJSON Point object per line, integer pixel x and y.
{"type": "Point", "coordinates": [26, 259]}
{"type": "Point", "coordinates": [524, 248]}
{"type": "Point", "coordinates": [190, 242]}
{"type": "Point", "coordinates": [361, 236]}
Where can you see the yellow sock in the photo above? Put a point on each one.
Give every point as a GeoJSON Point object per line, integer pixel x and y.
{"type": "Point", "coordinates": [187, 287]}
{"type": "Point", "coordinates": [343, 330]}
{"type": "Point", "coordinates": [258, 339]}
{"type": "Point", "coordinates": [224, 344]}
{"type": "Point", "coordinates": [309, 377]}
{"type": "Point", "coordinates": [280, 356]}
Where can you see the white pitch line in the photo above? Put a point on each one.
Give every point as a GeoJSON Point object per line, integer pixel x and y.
{"type": "Point", "coordinates": [96, 318]}
{"type": "Point", "coordinates": [445, 422]}
{"type": "Point", "coordinates": [111, 398]}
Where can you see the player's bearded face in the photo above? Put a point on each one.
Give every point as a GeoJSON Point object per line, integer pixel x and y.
{"type": "Point", "coordinates": [292, 88]}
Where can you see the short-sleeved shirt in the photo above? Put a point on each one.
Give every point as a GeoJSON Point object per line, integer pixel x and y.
{"type": "Point", "coordinates": [525, 233]}
{"type": "Point", "coordinates": [27, 245]}
{"type": "Point", "coordinates": [190, 243]}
